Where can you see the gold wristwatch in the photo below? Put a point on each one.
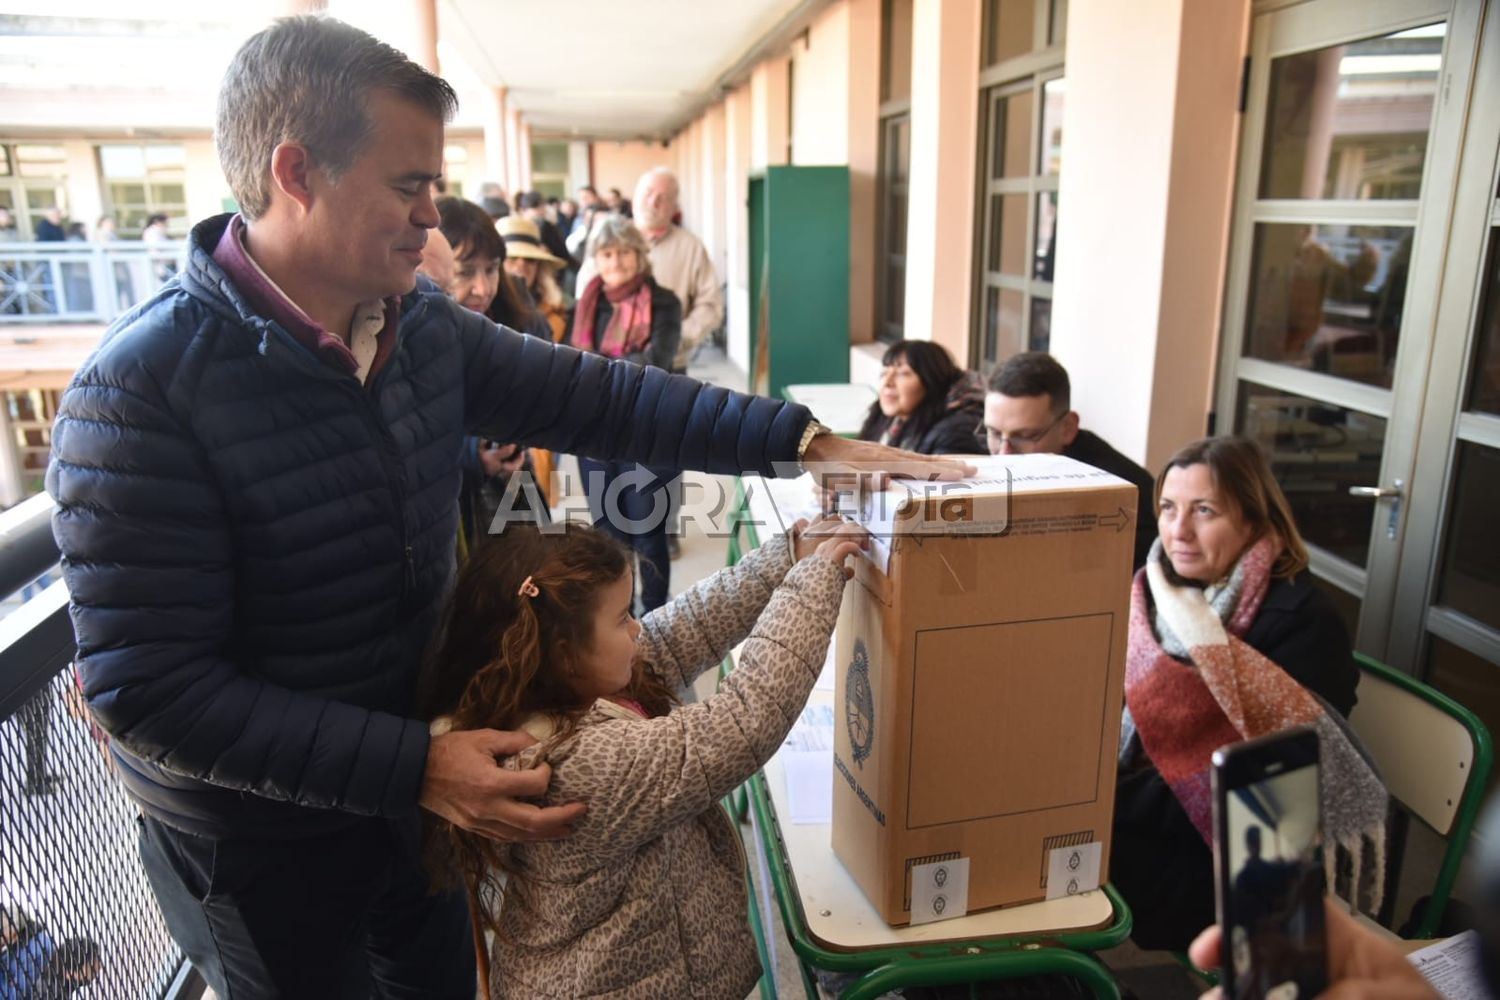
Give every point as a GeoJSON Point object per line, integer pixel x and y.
{"type": "Point", "coordinates": [812, 430]}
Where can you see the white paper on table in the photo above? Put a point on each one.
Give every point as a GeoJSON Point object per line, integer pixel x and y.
{"type": "Point", "coordinates": [1452, 967]}
{"type": "Point", "coordinates": [827, 677]}
{"type": "Point", "coordinates": [807, 760]}
{"type": "Point", "coordinates": [812, 732]}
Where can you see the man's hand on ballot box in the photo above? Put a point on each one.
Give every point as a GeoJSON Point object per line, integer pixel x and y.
{"type": "Point", "coordinates": [842, 465]}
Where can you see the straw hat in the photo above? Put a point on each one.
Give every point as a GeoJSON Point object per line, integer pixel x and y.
{"type": "Point", "coordinates": [523, 239]}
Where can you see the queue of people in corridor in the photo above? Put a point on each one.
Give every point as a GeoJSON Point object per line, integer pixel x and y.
{"type": "Point", "coordinates": [347, 762]}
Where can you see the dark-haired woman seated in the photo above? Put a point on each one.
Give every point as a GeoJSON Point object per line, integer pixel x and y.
{"type": "Point", "coordinates": [927, 404]}
{"type": "Point", "coordinates": [1230, 639]}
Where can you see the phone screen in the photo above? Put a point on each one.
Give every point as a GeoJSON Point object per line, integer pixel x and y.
{"type": "Point", "coordinates": [1272, 880]}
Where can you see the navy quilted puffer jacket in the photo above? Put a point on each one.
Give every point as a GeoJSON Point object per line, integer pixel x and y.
{"type": "Point", "coordinates": [258, 546]}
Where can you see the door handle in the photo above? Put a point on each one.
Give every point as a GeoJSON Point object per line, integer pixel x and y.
{"type": "Point", "coordinates": [1392, 492]}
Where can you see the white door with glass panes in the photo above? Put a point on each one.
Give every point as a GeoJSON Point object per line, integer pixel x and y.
{"type": "Point", "coordinates": [1361, 341]}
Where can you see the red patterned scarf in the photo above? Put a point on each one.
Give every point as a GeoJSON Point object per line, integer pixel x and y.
{"type": "Point", "coordinates": [629, 329]}
{"type": "Point", "coordinates": [1192, 685]}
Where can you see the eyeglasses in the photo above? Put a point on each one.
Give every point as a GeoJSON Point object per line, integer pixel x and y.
{"type": "Point", "coordinates": [994, 440]}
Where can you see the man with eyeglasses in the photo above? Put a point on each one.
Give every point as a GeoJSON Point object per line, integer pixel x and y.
{"type": "Point", "coordinates": [1027, 408]}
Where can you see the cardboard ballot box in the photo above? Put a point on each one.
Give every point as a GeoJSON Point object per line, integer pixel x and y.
{"type": "Point", "coordinates": [980, 663]}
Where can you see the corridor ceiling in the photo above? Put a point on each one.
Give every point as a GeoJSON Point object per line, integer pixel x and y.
{"type": "Point", "coordinates": [611, 68]}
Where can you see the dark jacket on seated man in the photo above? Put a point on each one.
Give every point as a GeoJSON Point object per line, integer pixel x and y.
{"type": "Point", "coordinates": [1091, 449]}
{"type": "Point", "coordinates": [1158, 860]}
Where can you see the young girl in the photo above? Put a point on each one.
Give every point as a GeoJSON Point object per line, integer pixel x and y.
{"type": "Point", "coordinates": [647, 898]}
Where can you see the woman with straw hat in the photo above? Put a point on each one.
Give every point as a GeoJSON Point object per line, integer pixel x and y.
{"type": "Point", "coordinates": [529, 262]}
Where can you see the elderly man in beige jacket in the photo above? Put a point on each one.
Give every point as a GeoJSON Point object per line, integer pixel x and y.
{"type": "Point", "coordinates": [679, 261]}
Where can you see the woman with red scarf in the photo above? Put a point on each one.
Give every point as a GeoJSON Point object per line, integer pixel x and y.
{"type": "Point", "coordinates": [624, 313]}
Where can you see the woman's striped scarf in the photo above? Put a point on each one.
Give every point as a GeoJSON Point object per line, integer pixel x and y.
{"type": "Point", "coordinates": [1192, 685]}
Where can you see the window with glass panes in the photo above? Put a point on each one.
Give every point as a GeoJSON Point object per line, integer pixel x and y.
{"type": "Point", "coordinates": [1021, 129]}
{"type": "Point", "coordinates": [142, 181]}
{"type": "Point", "coordinates": [455, 169]}
{"type": "Point", "coordinates": [894, 169]}
{"type": "Point", "coordinates": [33, 178]}
{"type": "Point", "coordinates": [549, 169]}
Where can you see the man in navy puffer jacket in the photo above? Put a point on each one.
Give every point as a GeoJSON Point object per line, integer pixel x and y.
{"type": "Point", "coordinates": [256, 477]}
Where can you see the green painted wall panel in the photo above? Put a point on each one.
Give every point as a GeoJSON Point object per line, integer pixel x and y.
{"type": "Point", "coordinates": [799, 270]}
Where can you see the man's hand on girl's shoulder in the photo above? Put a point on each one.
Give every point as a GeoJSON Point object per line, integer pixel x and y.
{"type": "Point", "coordinates": [466, 785]}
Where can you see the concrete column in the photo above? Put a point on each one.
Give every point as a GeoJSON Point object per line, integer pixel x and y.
{"type": "Point", "coordinates": [944, 124]}
{"type": "Point", "coordinates": [737, 129]}
{"type": "Point", "coordinates": [423, 48]}
{"type": "Point", "coordinates": [524, 151]}
{"type": "Point", "coordinates": [578, 166]}
{"type": "Point", "coordinates": [12, 483]}
{"type": "Point", "coordinates": [494, 136]}
{"type": "Point", "coordinates": [714, 191]}
{"type": "Point", "coordinates": [1144, 206]}
{"type": "Point", "coordinates": [512, 153]}
{"type": "Point", "coordinates": [864, 163]}
{"type": "Point", "coordinates": [769, 113]}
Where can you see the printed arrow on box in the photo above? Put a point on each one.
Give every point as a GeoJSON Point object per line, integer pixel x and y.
{"type": "Point", "coordinates": [1118, 521]}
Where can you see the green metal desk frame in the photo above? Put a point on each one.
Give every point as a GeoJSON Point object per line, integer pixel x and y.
{"type": "Point", "coordinates": [954, 962]}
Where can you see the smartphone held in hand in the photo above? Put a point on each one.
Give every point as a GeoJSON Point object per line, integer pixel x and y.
{"type": "Point", "coordinates": [1268, 860]}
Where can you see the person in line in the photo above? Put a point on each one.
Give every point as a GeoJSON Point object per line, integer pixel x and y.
{"type": "Point", "coordinates": [529, 264]}
{"type": "Point", "coordinates": [1028, 408]}
{"type": "Point", "coordinates": [926, 403]}
{"type": "Point", "coordinates": [647, 898]}
{"type": "Point", "coordinates": [624, 313]}
{"type": "Point", "coordinates": [534, 207]}
{"type": "Point", "coordinates": [567, 215]}
{"type": "Point", "coordinates": [49, 228]}
{"type": "Point", "coordinates": [163, 266]}
{"type": "Point", "coordinates": [35, 966]}
{"type": "Point", "coordinates": [492, 199]}
{"type": "Point", "coordinates": [438, 262]}
{"type": "Point", "coordinates": [678, 259]}
{"type": "Point", "coordinates": [255, 476]}
{"type": "Point", "coordinates": [1229, 639]}
{"type": "Point", "coordinates": [481, 285]}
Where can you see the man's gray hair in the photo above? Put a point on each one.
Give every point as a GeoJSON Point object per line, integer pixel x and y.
{"type": "Point", "coordinates": [308, 80]}
{"type": "Point", "coordinates": [667, 172]}
{"type": "Point", "coordinates": [618, 231]}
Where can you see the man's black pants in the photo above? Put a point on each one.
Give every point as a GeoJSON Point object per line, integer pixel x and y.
{"type": "Point", "coordinates": [346, 914]}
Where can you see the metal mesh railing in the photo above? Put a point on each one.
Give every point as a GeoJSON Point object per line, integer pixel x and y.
{"type": "Point", "coordinates": [68, 854]}
{"type": "Point", "coordinates": [77, 917]}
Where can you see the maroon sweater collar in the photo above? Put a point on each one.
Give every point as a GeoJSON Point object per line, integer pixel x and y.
{"type": "Point", "coordinates": [271, 302]}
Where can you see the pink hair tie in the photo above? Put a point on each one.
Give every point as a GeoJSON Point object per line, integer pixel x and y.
{"type": "Point", "coordinates": [528, 589]}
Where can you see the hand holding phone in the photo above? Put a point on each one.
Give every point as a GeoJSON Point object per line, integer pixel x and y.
{"type": "Point", "coordinates": [1269, 867]}
{"type": "Point", "coordinates": [1361, 964]}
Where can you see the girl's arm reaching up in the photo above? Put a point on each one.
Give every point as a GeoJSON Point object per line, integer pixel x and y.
{"type": "Point", "coordinates": [640, 778]}
{"type": "Point", "coordinates": [696, 630]}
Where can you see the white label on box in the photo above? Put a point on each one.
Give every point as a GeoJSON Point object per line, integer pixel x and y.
{"type": "Point", "coordinates": [939, 890]}
{"type": "Point", "coordinates": [1072, 870]}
